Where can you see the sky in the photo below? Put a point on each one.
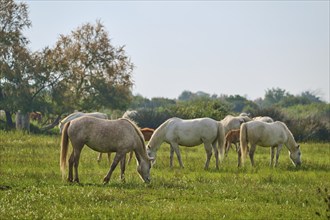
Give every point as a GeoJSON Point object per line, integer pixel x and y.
{"type": "Point", "coordinates": [218, 47]}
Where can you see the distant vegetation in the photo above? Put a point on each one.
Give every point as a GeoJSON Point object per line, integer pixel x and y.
{"type": "Point", "coordinates": [306, 115]}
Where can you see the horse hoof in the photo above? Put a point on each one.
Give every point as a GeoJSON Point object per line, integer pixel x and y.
{"type": "Point", "coordinates": [105, 181]}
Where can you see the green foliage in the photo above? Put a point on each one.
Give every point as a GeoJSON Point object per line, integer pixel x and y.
{"type": "Point", "coordinates": [31, 186]}
{"type": "Point", "coordinates": [82, 72]}
{"type": "Point", "coordinates": [202, 107]}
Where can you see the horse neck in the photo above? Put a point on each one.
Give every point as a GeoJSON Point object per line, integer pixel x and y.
{"type": "Point", "coordinates": [158, 137]}
{"type": "Point", "coordinates": [141, 155]}
{"type": "Point", "coordinates": [290, 143]}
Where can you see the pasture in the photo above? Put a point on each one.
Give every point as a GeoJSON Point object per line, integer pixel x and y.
{"type": "Point", "coordinates": [31, 185]}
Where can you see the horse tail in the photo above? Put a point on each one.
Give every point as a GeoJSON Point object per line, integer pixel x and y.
{"type": "Point", "coordinates": [64, 148]}
{"type": "Point", "coordinates": [243, 141]}
{"type": "Point", "coordinates": [221, 140]}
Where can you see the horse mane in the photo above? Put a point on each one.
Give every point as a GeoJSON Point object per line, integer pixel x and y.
{"type": "Point", "coordinates": [137, 129]}
{"type": "Point", "coordinates": [157, 134]}
{"type": "Point", "coordinates": [291, 141]}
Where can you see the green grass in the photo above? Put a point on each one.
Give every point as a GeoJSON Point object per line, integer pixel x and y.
{"type": "Point", "coordinates": [31, 186]}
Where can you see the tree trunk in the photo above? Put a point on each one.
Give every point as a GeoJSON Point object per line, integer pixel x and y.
{"type": "Point", "coordinates": [22, 121]}
{"type": "Point", "coordinates": [9, 120]}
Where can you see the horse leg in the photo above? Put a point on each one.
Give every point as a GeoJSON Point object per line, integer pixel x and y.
{"type": "Point", "coordinates": [208, 150]}
{"type": "Point", "coordinates": [239, 159]}
{"type": "Point", "coordinates": [109, 158]}
{"type": "Point", "coordinates": [227, 147]}
{"type": "Point", "coordinates": [130, 157]}
{"type": "Point", "coordinates": [237, 146]}
{"type": "Point", "coordinates": [279, 147]}
{"type": "Point", "coordinates": [122, 168]}
{"type": "Point", "coordinates": [171, 155]}
{"type": "Point", "coordinates": [99, 158]}
{"type": "Point", "coordinates": [251, 153]}
{"type": "Point", "coordinates": [114, 164]}
{"type": "Point", "coordinates": [76, 163]}
{"type": "Point", "coordinates": [178, 154]}
{"type": "Point", "coordinates": [272, 152]}
{"type": "Point", "coordinates": [71, 160]}
{"type": "Point", "coordinates": [216, 154]}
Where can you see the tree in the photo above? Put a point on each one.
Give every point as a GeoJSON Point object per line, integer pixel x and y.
{"type": "Point", "coordinates": [95, 74]}
{"type": "Point", "coordinates": [15, 62]}
{"type": "Point", "coordinates": [274, 96]}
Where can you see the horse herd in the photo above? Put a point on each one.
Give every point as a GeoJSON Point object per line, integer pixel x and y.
{"type": "Point", "coordinates": [124, 136]}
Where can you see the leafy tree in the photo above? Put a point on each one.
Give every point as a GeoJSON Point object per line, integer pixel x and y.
{"type": "Point", "coordinates": [186, 95]}
{"type": "Point", "coordinates": [95, 73]}
{"type": "Point", "coordinates": [274, 96]}
{"type": "Point", "coordinates": [15, 59]}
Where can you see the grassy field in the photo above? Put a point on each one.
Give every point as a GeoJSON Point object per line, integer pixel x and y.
{"type": "Point", "coordinates": [31, 186]}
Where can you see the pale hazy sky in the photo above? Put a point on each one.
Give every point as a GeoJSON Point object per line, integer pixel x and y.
{"type": "Point", "coordinates": [219, 47]}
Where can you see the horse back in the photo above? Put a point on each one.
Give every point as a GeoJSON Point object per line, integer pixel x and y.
{"type": "Point", "coordinates": [103, 135]}
{"type": "Point", "coordinates": [266, 134]}
{"type": "Point", "coordinates": [192, 132]}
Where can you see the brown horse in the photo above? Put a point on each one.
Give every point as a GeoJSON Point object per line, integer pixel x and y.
{"type": "Point", "coordinates": [232, 137]}
{"type": "Point", "coordinates": [120, 136]}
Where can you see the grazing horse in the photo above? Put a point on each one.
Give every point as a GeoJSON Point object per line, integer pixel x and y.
{"type": "Point", "coordinates": [267, 135]}
{"type": "Point", "coordinates": [232, 137]}
{"type": "Point", "coordinates": [189, 133]}
{"type": "Point", "coordinates": [80, 114]}
{"type": "Point", "coordinates": [120, 136]}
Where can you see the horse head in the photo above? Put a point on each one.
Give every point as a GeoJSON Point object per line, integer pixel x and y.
{"type": "Point", "coordinates": [295, 156]}
{"type": "Point", "coordinates": [144, 169]}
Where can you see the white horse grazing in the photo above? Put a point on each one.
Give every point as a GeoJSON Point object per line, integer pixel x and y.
{"type": "Point", "coordinates": [267, 135]}
{"type": "Point", "coordinates": [189, 133]}
{"type": "Point", "coordinates": [263, 118]}
{"type": "Point", "coordinates": [120, 136]}
{"type": "Point", "coordinates": [233, 122]}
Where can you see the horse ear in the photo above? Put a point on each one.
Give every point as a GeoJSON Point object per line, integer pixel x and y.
{"type": "Point", "coordinates": [298, 146]}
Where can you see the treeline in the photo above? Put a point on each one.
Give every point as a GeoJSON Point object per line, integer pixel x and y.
{"type": "Point", "coordinates": [306, 115]}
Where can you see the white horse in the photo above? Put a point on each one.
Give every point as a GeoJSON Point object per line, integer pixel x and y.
{"type": "Point", "coordinates": [120, 136]}
{"type": "Point", "coordinates": [263, 118]}
{"type": "Point", "coordinates": [189, 133]}
{"type": "Point", "coordinates": [267, 135]}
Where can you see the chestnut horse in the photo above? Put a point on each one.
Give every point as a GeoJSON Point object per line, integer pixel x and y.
{"type": "Point", "coordinates": [232, 137]}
